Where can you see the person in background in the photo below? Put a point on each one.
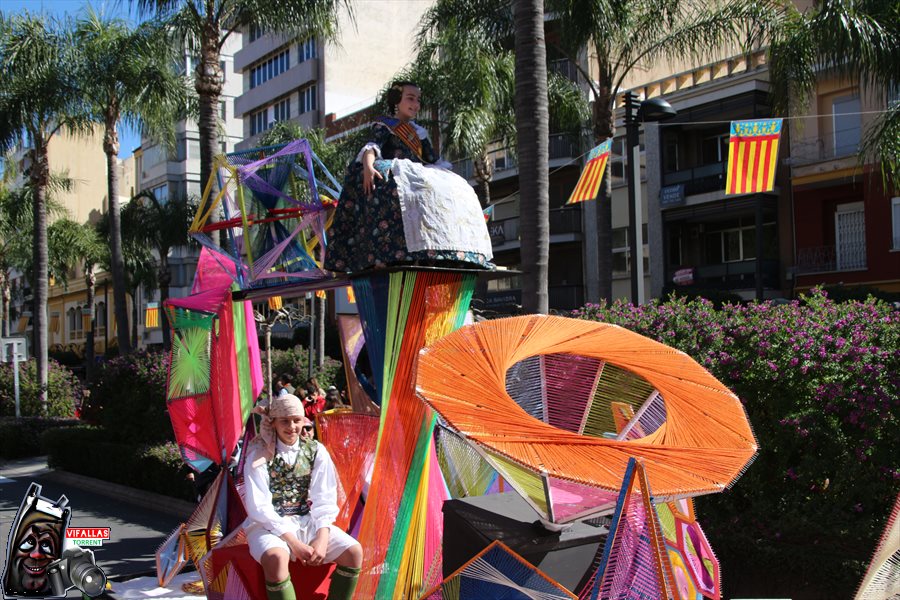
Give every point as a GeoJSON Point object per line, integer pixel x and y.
{"type": "Point", "coordinates": [333, 398]}
{"type": "Point", "coordinates": [284, 385]}
{"type": "Point", "coordinates": [314, 402]}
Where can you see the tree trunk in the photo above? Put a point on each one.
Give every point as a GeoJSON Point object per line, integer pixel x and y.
{"type": "Point", "coordinates": [532, 123]}
{"type": "Point", "coordinates": [208, 84]}
{"type": "Point", "coordinates": [90, 282]}
{"type": "Point", "coordinates": [484, 173]}
{"type": "Point", "coordinates": [604, 128]}
{"type": "Point", "coordinates": [40, 175]}
{"type": "Point", "coordinates": [165, 278]}
{"type": "Point", "coordinates": [117, 258]}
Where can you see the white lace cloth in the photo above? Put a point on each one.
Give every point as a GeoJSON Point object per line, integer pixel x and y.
{"type": "Point", "coordinates": [440, 210]}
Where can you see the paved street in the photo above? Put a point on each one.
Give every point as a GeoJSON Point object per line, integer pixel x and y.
{"type": "Point", "coordinates": [135, 532]}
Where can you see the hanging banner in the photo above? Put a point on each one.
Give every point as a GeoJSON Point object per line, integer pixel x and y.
{"type": "Point", "coordinates": [589, 182]}
{"type": "Point", "coordinates": [752, 156]}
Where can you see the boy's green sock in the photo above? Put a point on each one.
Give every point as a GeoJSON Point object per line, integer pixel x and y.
{"type": "Point", "coordinates": [343, 583]}
{"type": "Point", "coordinates": [283, 590]}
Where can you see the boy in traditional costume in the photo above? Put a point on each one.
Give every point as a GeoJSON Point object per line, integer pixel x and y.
{"type": "Point", "coordinates": [290, 492]}
{"type": "Point", "coordinates": [401, 205]}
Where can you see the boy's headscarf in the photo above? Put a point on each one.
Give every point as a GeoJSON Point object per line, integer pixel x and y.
{"type": "Point", "coordinates": [286, 405]}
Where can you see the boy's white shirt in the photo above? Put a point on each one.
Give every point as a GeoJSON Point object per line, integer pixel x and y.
{"type": "Point", "coordinates": [322, 490]}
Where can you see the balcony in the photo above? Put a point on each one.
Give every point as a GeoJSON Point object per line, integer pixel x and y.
{"type": "Point", "coordinates": [561, 146]}
{"type": "Point", "coordinates": [732, 275]}
{"type": "Point", "coordinates": [566, 220]}
{"type": "Point", "coordinates": [832, 146]}
{"type": "Point", "coordinates": [827, 259]}
{"type": "Point", "coordinates": [698, 180]}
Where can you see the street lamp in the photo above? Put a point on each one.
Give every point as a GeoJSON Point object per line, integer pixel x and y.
{"type": "Point", "coordinates": [654, 109]}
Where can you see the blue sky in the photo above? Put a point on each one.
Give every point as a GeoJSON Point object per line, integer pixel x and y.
{"type": "Point", "coordinates": [129, 139]}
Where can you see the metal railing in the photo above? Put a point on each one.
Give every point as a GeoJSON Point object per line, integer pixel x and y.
{"type": "Point", "coordinates": [839, 144]}
{"type": "Point", "coordinates": [822, 259]}
{"type": "Point", "coordinates": [561, 145]}
{"type": "Point", "coordinates": [698, 180]}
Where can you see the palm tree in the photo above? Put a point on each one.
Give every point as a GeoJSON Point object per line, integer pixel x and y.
{"type": "Point", "coordinates": [79, 245]}
{"type": "Point", "coordinates": [39, 97]}
{"type": "Point", "coordinates": [469, 80]}
{"type": "Point", "coordinates": [855, 40]}
{"type": "Point", "coordinates": [533, 124]}
{"type": "Point", "coordinates": [127, 75]}
{"type": "Point", "coordinates": [621, 36]}
{"type": "Point", "coordinates": [206, 26]}
{"type": "Point", "coordinates": [161, 227]}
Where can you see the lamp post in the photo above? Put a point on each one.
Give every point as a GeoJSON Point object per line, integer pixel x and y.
{"type": "Point", "coordinates": [654, 109]}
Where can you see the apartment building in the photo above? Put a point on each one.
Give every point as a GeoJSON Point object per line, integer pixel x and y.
{"type": "Point", "coordinates": [847, 225]}
{"type": "Point", "coordinates": [303, 81]}
{"type": "Point", "coordinates": [171, 174]}
{"type": "Point", "coordinates": [81, 158]}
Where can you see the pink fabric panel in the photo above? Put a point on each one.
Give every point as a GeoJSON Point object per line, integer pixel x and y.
{"type": "Point", "coordinates": [256, 376]}
{"type": "Point", "coordinates": [570, 382]}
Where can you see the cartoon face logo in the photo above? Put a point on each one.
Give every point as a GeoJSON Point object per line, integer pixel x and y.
{"type": "Point", "coordinates": [35, 542]}
{"type": "Point", "coordinates": [37, 546]}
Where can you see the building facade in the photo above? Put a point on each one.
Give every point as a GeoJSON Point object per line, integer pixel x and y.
{"type": "Point", "coordinates": [303, 81]}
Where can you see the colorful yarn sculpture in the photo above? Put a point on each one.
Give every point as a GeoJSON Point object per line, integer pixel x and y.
{"type": "Point", "coordinates": [534, 396]}
{"type": "Point", "coordinates": [275, 216]}
{"type": "Point", "coordinates": [402, 524]}
{"type": "Point", "coordinates": [215, 373]}
{"type": "Point", "coordinates": [882, 578]}
{"type": "Point", "coordinates": [634, 563]}
{"type": "Point", "coordinates": [171, 556]}
{"type": "Point", "coordinates": [498, 572]}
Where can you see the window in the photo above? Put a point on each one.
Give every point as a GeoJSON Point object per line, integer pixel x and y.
{"type": "Point", "coordinates": [850, 236]}
{"type": "Point", "coordinates": [282, 110]}
{"type": "Point", "coordinates": [223, 110]}
{"type": "Point", "coordinates": [735, 241]}
{"type": "Point", "coordinates": [259, 121]}
{"type": "Point", "coordinates": [71, 321]}
{"type": "Point", "coordinates": [256, 32]}
{"type": "Point", "coordinates": [306, 50]}
{"type": "Point", "coordinates": [621, 255]}
{"type": "Point", "coordinates": [267, 69]}
{"type": "Point", "coordinates": [161, 192]}
{"type": "Point", "coordinates": [101, 314]}
{"type": "Point", "coordinates": [222, 68]}
{"type": "Point", "coordinates": [223, 147]}
{"type": "Point", "coordinates": [847, 125]}
{"type": "Point", "coordinates": [670, 154]}
{"type": "Point", "coordinates": [714, 149]}
{"type": "Point", "coordinates": [895, 221]}
{"type": "Point", "coordinates": [308, 99]}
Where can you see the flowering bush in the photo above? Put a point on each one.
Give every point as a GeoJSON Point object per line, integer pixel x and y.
{"type": "Point", "coordinates": [128, 398]}
{"type": "Point", "coordinates": [821, 385]}
{"type": "Point", "coordinates": [63, 394]}
{"type": "Point", "coordinates": [295, 361]}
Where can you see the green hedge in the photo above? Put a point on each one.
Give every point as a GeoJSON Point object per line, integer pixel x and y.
{"type": "Point", "coordinates": [63, 394]}
{"type": "Point", "coordinates": [128, 399]}
{"type": "Point", "coordinates": [22, 437]}
{"type": "Point", "coordinates": [88, 451]}
{"type": "Point", "coordinates": [820, 381]}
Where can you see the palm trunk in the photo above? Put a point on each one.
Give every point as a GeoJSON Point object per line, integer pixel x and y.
{"type": "Point", "coordinates": [90, 283]}
{"type": "Point", "coordinates": [532, 123]}
{"type": "Point", "coordinates": [117, 258]}
{"type": "Point", "coordinates": [40, 174]}
{"type": "Point", "coordinates": [604, 128]}
{"type": "Point", "coordinates": [165, 278]}
{"type": "Point", "coordinates": [208, 84]}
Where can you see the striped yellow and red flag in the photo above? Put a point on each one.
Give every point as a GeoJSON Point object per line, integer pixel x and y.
{"type": "Point", "coordinates": [752, 156]}
{"type": "Point", "coordinates": [151, 315]}
{"type": "Point", "coordinates": [592, 175]}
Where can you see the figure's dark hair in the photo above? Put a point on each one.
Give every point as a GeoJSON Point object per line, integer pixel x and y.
{"type": "Point", "coordinates": [395, 95]}
{"type": "Point", "coordinates": [285, 378]}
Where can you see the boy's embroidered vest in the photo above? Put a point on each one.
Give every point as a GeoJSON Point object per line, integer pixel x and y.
{"type": "Point", "coordinates": [290, 484]}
